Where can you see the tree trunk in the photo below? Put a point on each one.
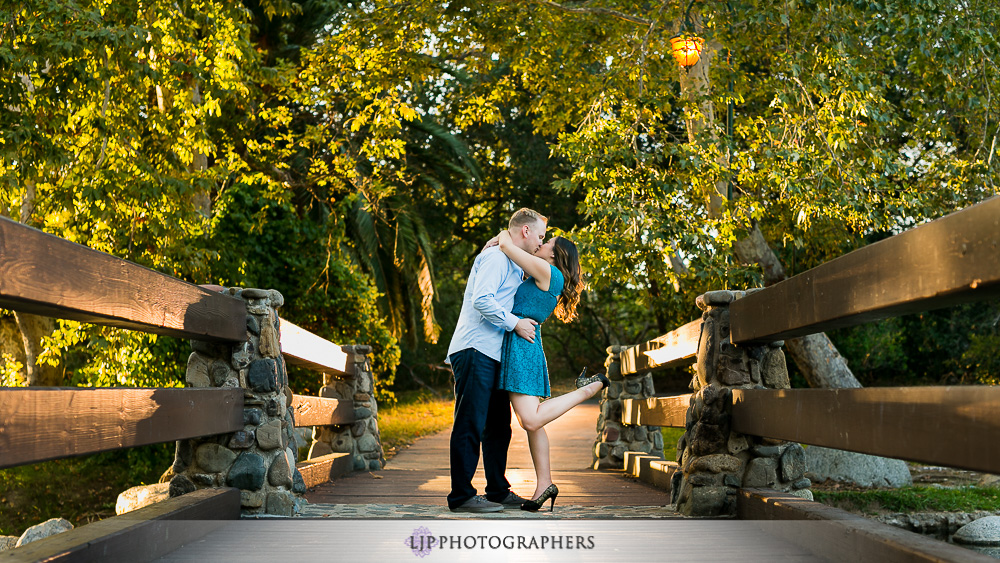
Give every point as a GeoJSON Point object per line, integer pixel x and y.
{"type": "Point", "coordinates": [11, 346]}
{"type": "Point", "coordinates": [815, 355]}
{"type": "Point", "coordinates": [699, 113]}
{"type": "Point", "coordinates": [820, 362]}
{"type": "Point", "coordinates": [33, 328]}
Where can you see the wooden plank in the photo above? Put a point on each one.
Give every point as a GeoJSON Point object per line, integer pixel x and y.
{"type": "Point", "coordinates": [634, 459]}
{"type": "Point", "coordinates": [320, 411]}
{"type": "Point", "coordinates": [325, 468]}
{"type": "Point", "coordinates": [141, 535]}
{"type": "Point", "coordinates": [659, 473]}
{"type": "Point", "coordinates": [303, 348]}
{"type": "Point", "coordinates": [657, 411]}
{"type": "Point", "coordinates": [953, 260]}
{"type": "Point", "coordinates": [650, 468]}
{"type": "Point", "coordinates": [46, 275]}
{"type": "Point", "coordinates": [676, 348]}
{"type": "Point", "coordinates": [950, 426]}
{"type": "Point", "coordinates": [50, 423]}
{"type": "Point", "coordinates": [841, 536]}
{"type": "Point", "coordinates": [580, 487]}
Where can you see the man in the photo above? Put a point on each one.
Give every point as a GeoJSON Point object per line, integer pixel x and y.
{"type": "Point", "coordinates": [482, 414]}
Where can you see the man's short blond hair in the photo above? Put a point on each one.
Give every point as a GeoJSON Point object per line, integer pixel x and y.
{"type": "Point", "coordinates": [525, 216]}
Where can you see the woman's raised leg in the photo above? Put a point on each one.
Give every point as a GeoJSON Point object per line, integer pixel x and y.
{"type": "Point", "coordinates": [532, 414]}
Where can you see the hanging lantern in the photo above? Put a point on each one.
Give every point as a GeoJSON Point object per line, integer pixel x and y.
{"type": "Point", "coordinates": [687, 50]}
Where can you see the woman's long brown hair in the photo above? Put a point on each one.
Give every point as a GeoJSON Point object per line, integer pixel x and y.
{"type": "Point", "coordinates": [567, 259]}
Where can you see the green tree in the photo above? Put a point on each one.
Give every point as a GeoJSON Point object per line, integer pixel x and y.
{"type": "Point", "coordinates": [148, 138]}
{"type": "Point", "coordinates": [851, 118]}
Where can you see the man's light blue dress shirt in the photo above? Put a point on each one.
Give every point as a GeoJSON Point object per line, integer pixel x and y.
{"type": "Point", "coordinates": [489, 296]}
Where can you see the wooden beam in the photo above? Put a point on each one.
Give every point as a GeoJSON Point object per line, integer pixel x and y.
{"type": "Point", "coordinates": [837, 535]}
{"type": "Point", "coordinates": [145, 534]}
{"type": "Point", "coordinates": [325, 468]}
{"type": "Point", "coordinates": [50, 423]}
{"type": "Point", "coordinates": [953, 260]}
{"type": "Point", "coordinates": [657, 411]}
{"type": "Point", "coordinates": [676, 348]}
{"type": "Point", "coordinates": [303, 348]}
{"type": "Point", "coordinates": [320, 411]}
{"type": "Point", "coordinates": [950, 426]}
{"type": "Point", "coordinates": [46, 275]}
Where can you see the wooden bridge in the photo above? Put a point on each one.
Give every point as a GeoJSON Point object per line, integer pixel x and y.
{"type": "Point", "coordinates": [953, 260]}
{"type": "Point", "coordinates": [416, 481]}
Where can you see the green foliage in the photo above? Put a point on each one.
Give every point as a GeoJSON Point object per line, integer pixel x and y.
{"type": "Point", "coordinates": [267, 243]}
{"type": "Point", "coordinates": [943, 347]}
{"type": "Point", "coordinates": [10, 371]}
{"type": "Point", "coordinates": [980, 359]}
{"type": "Point", "coordinates": [82, 489]}
{"type": "Point", "coordinates": [151, 138]}
{"type": "Point", "coordinates": [385, 142]}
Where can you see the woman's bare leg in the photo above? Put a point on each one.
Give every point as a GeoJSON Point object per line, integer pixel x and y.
{"type": "Point", "coordinates": [533, 415]}
{"type": "Point", "coordinates": [538, 445]}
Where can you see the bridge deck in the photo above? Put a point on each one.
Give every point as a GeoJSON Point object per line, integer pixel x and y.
{"type": "Point", "coordinates": [416, 481]}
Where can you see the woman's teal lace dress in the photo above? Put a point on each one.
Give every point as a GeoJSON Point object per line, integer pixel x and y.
{"type": "Point", "coordinates": [522, 363]}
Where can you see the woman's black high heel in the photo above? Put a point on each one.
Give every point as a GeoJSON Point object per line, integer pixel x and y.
{"type": "Point", "coordinates": [550, 492]}
{"type": "Point", "coordinates": [584, 381]}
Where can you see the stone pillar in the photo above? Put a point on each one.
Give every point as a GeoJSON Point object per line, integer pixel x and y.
{"type": "Point", "coordinates": [260, 459]}
{"type": "Point", "coordinates": [360, 439]}
{"type": "Point", "coordinates": [715, 461]}
{"type": "Point", "coordinates": [613, 437]}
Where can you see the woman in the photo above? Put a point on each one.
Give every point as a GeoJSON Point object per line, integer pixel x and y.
{"type": "Point", "coordinates": [553, 285]}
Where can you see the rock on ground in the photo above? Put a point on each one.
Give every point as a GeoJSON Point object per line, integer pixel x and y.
{"type": "Point", "coordinates": [143, 495]}
{"type": "Point", "coordinates": [859, 469]}
{"type": "Point", "coordinates": [47, 528]}
{"type": "Point", "coordinates": [984, 531]}
{"type": "Point", "coordinates": [939, 525]}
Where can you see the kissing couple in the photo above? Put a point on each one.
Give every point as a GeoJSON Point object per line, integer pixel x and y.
{"type": "Point", "coordinates": [496, 354]}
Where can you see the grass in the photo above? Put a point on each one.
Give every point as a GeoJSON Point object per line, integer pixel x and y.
{"type": "Point", "coordinates": [912, 499]}
{"type": "Point", "coordinates": [81, 490]}
{"type": "Point", "coordinates": [670, 437]}
{"type": "Point", "coordinates": [414, 415]}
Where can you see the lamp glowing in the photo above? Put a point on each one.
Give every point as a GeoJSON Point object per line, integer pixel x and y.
{"type": "Point", "coordinates": [687, 50]}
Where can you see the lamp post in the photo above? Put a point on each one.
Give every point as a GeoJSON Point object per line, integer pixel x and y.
{"type": "Point", "coordinates": [686, 49]}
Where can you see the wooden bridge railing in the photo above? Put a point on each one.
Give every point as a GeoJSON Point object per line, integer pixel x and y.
{"type": "Point", "coordinates": [46, 275]}
{"type": "Point", "coordinates": [955, 259]}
